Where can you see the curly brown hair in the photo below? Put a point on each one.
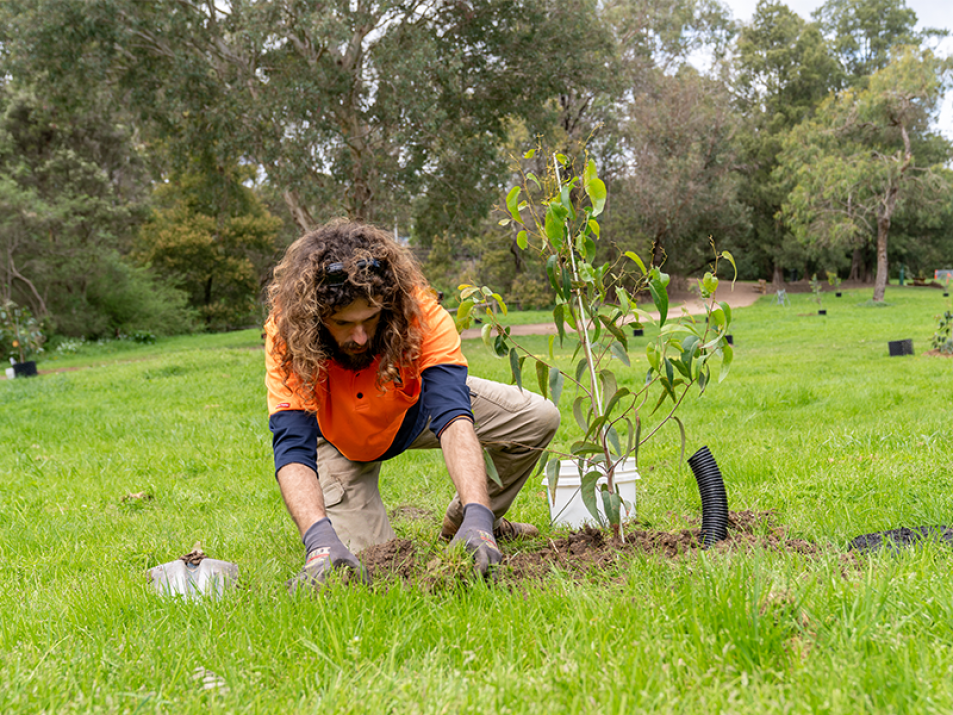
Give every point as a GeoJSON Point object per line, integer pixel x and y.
{"type": "Point", "coordinates": [301, 298]}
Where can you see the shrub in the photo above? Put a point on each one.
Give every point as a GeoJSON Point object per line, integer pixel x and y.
{"type": "Point", "coordinates": [22, 335]}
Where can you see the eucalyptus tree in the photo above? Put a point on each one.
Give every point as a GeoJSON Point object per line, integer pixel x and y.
{"type": "Point", "coordinates": [677, 186]}
{"type": "Point", "coordinates": [783, 70]}
{"type": "Point", "coordinates": [854, 162]}
{"type": "Point", "coordinates": [349, 106]}
{"type": "Point", "coordinates": [863, 32]}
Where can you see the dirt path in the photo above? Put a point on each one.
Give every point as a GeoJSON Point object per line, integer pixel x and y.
{"type": "Point", "coordinates": [744, 294]}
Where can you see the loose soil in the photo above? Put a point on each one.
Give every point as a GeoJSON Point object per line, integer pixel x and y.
{"type": "Point", "coordinates": [583, 551]}
{"type": "Point", "coordinates": [589, 550]}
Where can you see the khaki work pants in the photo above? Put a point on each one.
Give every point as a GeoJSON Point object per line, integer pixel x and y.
{"type": "Point", "coordinates": [513, 426]}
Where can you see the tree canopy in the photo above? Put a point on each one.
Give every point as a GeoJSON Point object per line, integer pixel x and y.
{"type": "Point", "coordinates": [184, 143]}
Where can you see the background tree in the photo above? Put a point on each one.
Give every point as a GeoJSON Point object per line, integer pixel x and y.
{"type": "Point", "coordinates": [212, 237]}
{"type": "Point", "coordinates": [70, 199]}
{"type": "Point", "coordinates": [852, 164]}
{"type": "Point", "coordinates": [677, 187]}
{"type": "Point", "coordinates": [783, 70]}
{"type": "Point", "coordinates": [863, 32]}
{"type": "Point", "coordinates": [349, 107]}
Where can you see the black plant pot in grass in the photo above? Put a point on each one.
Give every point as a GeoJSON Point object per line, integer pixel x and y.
{"type": "Point", "coordinates": [899, 348]}
{"type": "Point", "coordinates": [25, 369]}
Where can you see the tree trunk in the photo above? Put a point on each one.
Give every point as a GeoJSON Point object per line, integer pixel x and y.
{"type": "Point", "coordinates": [299, 212]}
{"type": "Point", "coordinates": [778, 278]}
{"type": "Point", "coordinates": [658, 252]}
{"type": "Point", "coordinates": [519, 264]}
{"type": "Point", "coordinates": [856, 263]}
{"type": "Point", "coordinates": [885, 215]}
{"type": "Point", "coordinates": [880, 284]}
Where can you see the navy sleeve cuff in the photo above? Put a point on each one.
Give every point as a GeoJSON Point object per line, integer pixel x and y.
{"type": "Point", "coordinates": [446, 395]}
{"type": "Point", "coordinates": [294, 438]}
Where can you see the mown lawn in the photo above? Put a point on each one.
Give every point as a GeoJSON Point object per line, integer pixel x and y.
{"type": "Point", "coordinates": [815, 422]}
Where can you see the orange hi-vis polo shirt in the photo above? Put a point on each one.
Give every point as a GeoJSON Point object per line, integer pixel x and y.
{"type": "Point", "coordinates": [359, 418]}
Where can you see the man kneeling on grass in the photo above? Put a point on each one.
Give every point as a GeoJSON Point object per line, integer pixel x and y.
{"type": "Point", "coordinates": [362, 364]}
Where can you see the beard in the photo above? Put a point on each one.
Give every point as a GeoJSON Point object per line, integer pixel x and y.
{"type": "Point", "coordinates": [353, 361]}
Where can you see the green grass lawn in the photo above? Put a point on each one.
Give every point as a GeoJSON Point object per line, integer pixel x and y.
{"type": "Point", "coordinates": [815, 422]}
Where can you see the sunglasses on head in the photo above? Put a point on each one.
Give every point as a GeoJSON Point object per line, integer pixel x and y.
{"type": "Point", "coordinates": [335, 274]}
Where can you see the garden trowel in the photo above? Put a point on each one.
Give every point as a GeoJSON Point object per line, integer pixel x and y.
{"type": "Point", "coordinates": [194, 575]}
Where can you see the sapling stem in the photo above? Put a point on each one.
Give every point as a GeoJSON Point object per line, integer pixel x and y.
{"type": "Point", "coordinates": [582, 313]}
{"type": "Point", "coordinates": [587, 347]}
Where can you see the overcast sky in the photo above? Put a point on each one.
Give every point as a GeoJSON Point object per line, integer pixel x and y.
{"type": "Point", "coordinates": [930, 13]}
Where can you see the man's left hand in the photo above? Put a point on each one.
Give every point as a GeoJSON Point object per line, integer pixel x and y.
{"type": "Point", "coordinates": [476, 533]}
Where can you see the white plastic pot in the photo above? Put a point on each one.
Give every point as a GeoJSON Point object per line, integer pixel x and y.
{"type": "Point", "coordinates": [567, 507]}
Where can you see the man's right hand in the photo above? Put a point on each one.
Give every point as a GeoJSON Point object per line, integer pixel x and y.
{"type": "Point", "coordinates": [326, 552]}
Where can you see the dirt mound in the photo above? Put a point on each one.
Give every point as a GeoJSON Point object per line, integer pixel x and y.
{"type": "Point", "coordinates": [581, 551]}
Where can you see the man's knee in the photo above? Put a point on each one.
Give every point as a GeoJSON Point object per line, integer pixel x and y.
{"type": "Point", "coordinates": [547, 419]}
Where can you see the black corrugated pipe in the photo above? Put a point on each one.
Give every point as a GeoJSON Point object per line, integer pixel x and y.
{"type": "Point", "coordinates": [711, 485]}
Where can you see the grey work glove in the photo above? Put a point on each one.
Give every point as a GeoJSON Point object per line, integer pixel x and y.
{"type": "Point", "coordinates": [326, 552]}
{"type": "Point", "coordinates": [476, 533]}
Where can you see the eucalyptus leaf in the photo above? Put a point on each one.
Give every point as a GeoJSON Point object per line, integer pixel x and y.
{"type": "Point", "coordinates": [543, 461]}
{"type": "Point", "coordinates": [590, 247]}
{"type": "Point", "coordinates": [555, 226]}
{"type": "Point", "coordinates": [499, 346]}
{"type": "Point", "coordinates": [609, 384]}
{"type": "Point", "coordinates": [619, 352]}
{"type": "Point", "coordinates": [623, 297]}
{"type": "Point", "coordinates": [556, 380]}
{"type": "Point", "coordinates": [516, 368]}
{"type": "Point", "coordinates": [588, 492]}
{"type": "Point", "coordinates": [728, 257]}
{"type": "Point", "coordinates": [542, 377]}
{"type": "Point", "coordinates": [491, 470]}
{"type": "Point", "coordinates": [653, 356]}
{"type": "Point", "coordinates": [463, 311]}
{"type": "Point", "coordinates": [580, 369]}
{"type": "Point", "coordinates": [577, 412]}
{"type": "Point", "coordinates": [660, 298]}
{"type": "Point", "coordinates": [552, 478]}
{"type": "Point", "coordinates": [727, 310]}
{"type": "Point", "coordinates": [634, 257]}
{"type": "Point", "coordinates": [551, 265]}
{"type": "Point", "coordinates": [728, 353]}
{"type": "Point", "coordinates": [565, 198]}
{"type": "Point", "coordinates": [619, 394]}
{"type": "Point", "coordinates": [486, 334]}
{"type": "Point", "coordinates": [596, 189]}
{"type": "Point", "coordinates": [612, 503]}
{"type": "Point", "coordinates": [590, 172]}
